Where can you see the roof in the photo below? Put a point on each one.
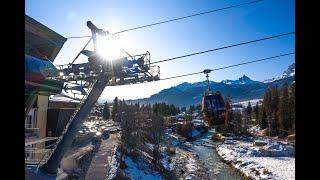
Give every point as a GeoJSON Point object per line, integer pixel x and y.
{"type": "Point", "coordinates": [62, 98]}
{"type": "Point", "coordinates": [59, 101]}
{"type": "Point", "coordinates": [41, 41]}
{"type": "Point", "coordinates": [45, 87]}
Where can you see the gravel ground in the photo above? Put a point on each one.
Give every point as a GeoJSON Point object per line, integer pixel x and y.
{"type": "Point", "coordinates": [188, 166]}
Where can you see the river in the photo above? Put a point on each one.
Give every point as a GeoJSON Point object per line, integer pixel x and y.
{"type": "Point", "coordinates": [204, 148]}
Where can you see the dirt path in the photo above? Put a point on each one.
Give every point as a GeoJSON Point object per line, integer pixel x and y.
{"type": "Point", "coordinates": [99, 167]}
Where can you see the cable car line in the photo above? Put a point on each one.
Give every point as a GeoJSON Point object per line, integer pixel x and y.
{"type": "Point", "coordinates": [249, 62]}
{"type": "Point", "coordinates": [175, 19]}
{"type": "Point", "coordinates": [183, 75]}
{"type": "Point", "coordinates": [78, 37]}
{"type": "Point", "coordinates": [230, 66]}
{"type": "Point", "coordinates": [211, 50]}
{"type": "Point", "coordinates": [225, 47]}
{"type": "Point", "coordinates": [81, 50]}
{"type": "Point", "coordinates": [184, 17]}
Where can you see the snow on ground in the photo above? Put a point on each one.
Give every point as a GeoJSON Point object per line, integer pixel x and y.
{"type": "Point", "coordinates": [175, 140]}
{"type": "Point", "coordinates": [191, 165]}
{"type": "Point", "coordinates": [253, 102]}
{"type": "Point", "coordinates": [98, 126]}
{"type": "Point", "coordinates": [281, 167]}
{"type": "Point", "coordinates": [135, 172]}
{"type": "Point", "coordinates": [62, 97]}
{"type": "Point", "coordinates": [150, 146]}
{"type": "Point", "coordinates": [165, 162]}
{"type": "Point", "coordinates": [274, 160]}
{"type": "Point", "coordinates": [254, 130]}
{"type": "Point", "coordinates": [187, 166]}
{"type": "Point", "coordinates": [114, 164]}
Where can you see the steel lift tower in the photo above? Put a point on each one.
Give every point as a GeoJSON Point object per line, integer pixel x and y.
{"type": "Point", "coordinates": [87, 81]}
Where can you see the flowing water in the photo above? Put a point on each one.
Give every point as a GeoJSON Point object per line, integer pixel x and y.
{"type": "Point", "coordinates": [204, 148]}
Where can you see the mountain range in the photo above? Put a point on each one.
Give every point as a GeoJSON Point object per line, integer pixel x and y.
{"type": "Point", "coordinates": [242, 89]}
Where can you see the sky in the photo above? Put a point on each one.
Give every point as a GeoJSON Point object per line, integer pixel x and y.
{"type": "Point", "coordinates": [240, 24]}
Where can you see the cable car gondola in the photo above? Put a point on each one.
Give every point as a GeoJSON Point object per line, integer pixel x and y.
{"type": "Point", "coordinates": [213, 106]}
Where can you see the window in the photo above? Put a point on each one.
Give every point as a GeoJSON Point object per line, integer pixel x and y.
{"type": "Point", "coordinates": [49, 133]}
{"type": "Point", "coordinates": [28, 122]}
{"type": "Point", "coordinates": [31, 119]}
{"type": "Point", "coordinates": [35, 118]}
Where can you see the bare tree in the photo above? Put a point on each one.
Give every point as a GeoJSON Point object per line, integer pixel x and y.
{"type": "Point", "coordinates": [156, 131]}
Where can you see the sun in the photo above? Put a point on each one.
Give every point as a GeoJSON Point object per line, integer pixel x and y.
{"type": "Point", "coordinates": [108, 47]}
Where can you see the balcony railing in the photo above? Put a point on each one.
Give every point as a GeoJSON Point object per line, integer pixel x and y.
{"type": "Point", "coordinates": [37, 151]}
{"type": "Point", "coordinates": [32, 132]}
{"type": "Point", "coordinates": [36, 156]}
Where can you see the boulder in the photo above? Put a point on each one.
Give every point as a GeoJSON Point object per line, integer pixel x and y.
{"type": "Point", "coordinates": [218, 137]}
{"type": "Point", "coordinates": [260, 143]}
{"type": "Point", "coordinates": [264, 132]}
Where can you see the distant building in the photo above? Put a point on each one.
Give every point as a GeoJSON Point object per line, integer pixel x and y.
{"type": "Point", "coordinates": [180, 116]}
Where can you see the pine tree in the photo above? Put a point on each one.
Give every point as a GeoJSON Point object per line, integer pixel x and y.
{"type": "Point", "coordinates": [257, 113]}
{"type": "Point", "coordinates": [164, 109]}
{"type": "Point", "coordinates": [128, 125]}
{"type": "Point", "coordinates": [237, 119]}
{"type": "Point", "coordinates": [115, 108]}
{"type": "Point", "coordinates": [249, 108]}
{"type": "Point", "coordinates": [198, 107]}
{"type": "Point", "coordinates": [275, 107]}
{"type": "Point", "coordinates": [270, 106]}
{"type": "Point", "coordinates": [267, 101]}
{"type": "Point", "coordinates": [172, 109]}
{"type": "Point", "coordinates": [191, 109]}
{"type": "Point", "coordinates": [249, 111]}
{"type": "Point", "coordinates": [292, 107]}
{"type": "Point", "coordinates": [156, 131]}
{"type": "Point", "coordinates": [267, 110]}
{"type": "Point", "coordinates": [284, 111]}
{"type": "Point", "coordinates": [106, 111]}
{"type": "Point", "coordinates": [272, 112]}
{"type": "Point", "coordinates": [228, 101]}
{"type": "Point", "coordinates": [229, 109]}
{"type": "Point", "coordinates": [177, 111]}
{"type": "Point", "coordinates": [263, 118]}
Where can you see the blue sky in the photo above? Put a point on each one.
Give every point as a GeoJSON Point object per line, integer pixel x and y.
{"type": "Point", "coordinates": [266, 18]}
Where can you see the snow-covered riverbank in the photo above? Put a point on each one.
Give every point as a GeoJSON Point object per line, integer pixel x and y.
{"type": "Point", "coordinates": [188, 166]}
{"type": "Point", "coordinates": [273, 160]}
{"type": "Point", "coordinates": [204, 147]}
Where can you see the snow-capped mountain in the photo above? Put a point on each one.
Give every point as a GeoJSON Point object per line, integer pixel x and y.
{"type": "Point", "coordinates": [242, 89]}
{"type": "Point", "coordinates": [184, 86]}
{"type": "Point", "coordinates": [290, 72]}
{"type": "Point", "coordinates": [242, 80]}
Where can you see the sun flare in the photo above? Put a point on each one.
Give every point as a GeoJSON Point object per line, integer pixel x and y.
{"type": "Point", "coordinates": [109, 47]}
